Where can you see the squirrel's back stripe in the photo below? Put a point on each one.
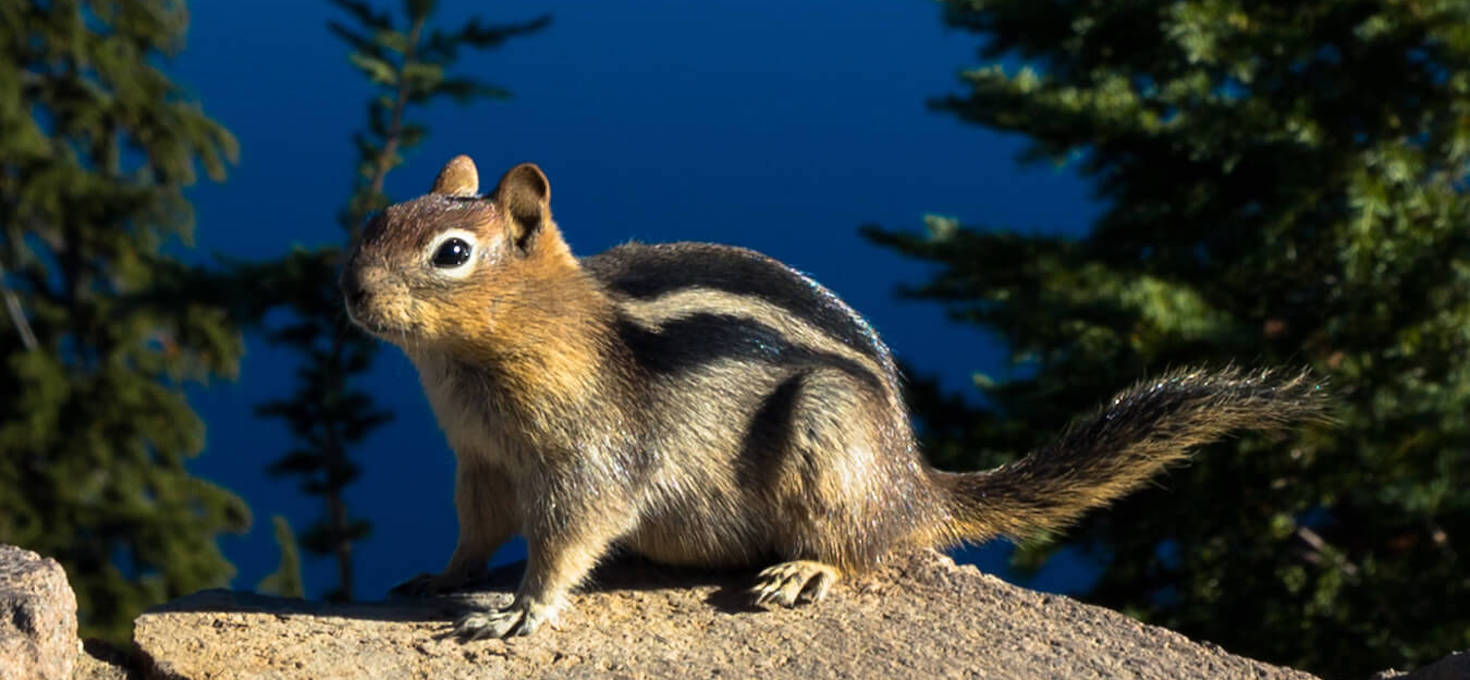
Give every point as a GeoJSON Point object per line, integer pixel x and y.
{"type": "Point", "coordinates": [765, 319]}
{"type": "Point", "coordinates": [648, 272]}
{"type": "Point", "coordinates": [687, 343]}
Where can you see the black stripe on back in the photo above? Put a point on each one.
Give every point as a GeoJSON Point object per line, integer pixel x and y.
{"type": "Point", "coordinates": [687, 343]}
{"type": "Point", "coordinates": [649, 271]}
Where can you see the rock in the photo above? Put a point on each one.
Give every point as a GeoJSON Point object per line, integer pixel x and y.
{"type": "Point", "coordinates": [99, 661]}
{"type": "Point", "coordinates": [921, 616]}
{"type": "Point", "coordinates": [1456, 666]}
{"type": "Point", "coordinates": [38, 618]}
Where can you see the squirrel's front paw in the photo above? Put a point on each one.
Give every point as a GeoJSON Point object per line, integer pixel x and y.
{"type": "Point", "coordinates": [432, 584]}
{"type": "Point", "coordinates": [520, 618]}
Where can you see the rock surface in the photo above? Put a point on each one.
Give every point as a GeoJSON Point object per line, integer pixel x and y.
{"type": "Point", "coordinates": [98, 661]}
{"type": "Point", "coordinates": [1453, 667]}
{"type": "Point", "coordinates": [922, 616]}
{"type": "Point", "coordinates": [38, 618]}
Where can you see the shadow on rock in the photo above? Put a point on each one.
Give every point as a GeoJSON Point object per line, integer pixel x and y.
{"type": "Point", "coordinates": [623, 573]}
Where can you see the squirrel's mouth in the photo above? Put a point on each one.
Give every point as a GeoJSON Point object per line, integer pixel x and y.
{"type": "Point", "coordinates": [365, 317]}
{"type": "Point", "coordinates": [397, 336]}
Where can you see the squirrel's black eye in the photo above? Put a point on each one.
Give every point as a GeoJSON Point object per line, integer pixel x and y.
{"type": "Point", "coordinates": [452, 253]}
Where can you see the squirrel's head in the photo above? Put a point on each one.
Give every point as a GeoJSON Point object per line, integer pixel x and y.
{"type": "Point", "coordinates": [444, 267]}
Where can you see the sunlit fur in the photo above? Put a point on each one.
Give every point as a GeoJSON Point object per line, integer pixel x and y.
{"type": "Point", "coordinates": [707, 405]}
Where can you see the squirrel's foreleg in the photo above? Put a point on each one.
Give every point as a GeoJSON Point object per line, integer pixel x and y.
{"type": "Point", "coordinates": [564, 542]}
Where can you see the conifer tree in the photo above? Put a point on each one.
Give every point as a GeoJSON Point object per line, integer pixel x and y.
{"type": "Point", "coordinates": [285, 581]}
{"type": "Point", "coordinates": [407, 60]}
{"type": "Point", "coordinates": [96, 145]}
{"type": "Point", "coordinates": [1284, 183]}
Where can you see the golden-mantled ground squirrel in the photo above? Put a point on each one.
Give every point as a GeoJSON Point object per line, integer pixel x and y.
{"type": "Point", "coordinates": [706, 405]}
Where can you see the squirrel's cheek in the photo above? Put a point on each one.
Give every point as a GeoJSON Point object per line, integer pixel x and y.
{"type": "Point", "coordinates": [452, 322]}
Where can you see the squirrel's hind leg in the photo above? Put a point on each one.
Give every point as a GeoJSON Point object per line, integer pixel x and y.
{"type": "Point", "coordinates": [843, 486]}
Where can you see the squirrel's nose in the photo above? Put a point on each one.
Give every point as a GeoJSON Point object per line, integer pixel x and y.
{"type": "Point", "coordinates": [352, 288]}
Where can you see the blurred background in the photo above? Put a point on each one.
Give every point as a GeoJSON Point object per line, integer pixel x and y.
{"type": "Point", "coordinates": [1036, 203]}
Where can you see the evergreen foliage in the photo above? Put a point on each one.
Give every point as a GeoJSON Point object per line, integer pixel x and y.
{"type": "Point", "coordinates": [285, 581]}
{"type": "Point", "coordinates": [408, 60]}
{"type": "Point", "coordinates": [96, 145]}
{"type": "Point", "coordinates": [1284, 183]}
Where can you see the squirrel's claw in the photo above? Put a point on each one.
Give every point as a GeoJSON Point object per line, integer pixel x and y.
{"type": "Point", "coordinates": [520, 618]}
{"type": "Point", "coordinates": [791, 583]}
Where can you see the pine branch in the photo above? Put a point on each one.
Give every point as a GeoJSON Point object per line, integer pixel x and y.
{"type": "Point", "coordinates": [384, 162]}
{"type": "Point", "coordinates": [17, 314]}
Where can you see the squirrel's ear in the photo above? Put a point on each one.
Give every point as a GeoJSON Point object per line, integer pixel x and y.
{"type": "Point", "coordinates": [458, 179]}
{"type": "Point", "coordinates": [524, 195]}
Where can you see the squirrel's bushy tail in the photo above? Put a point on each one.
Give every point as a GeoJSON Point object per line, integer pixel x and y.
{"type": "Point", "coordinates": [1109, 453]}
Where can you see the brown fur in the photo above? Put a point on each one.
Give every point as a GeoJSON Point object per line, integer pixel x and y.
{"type": "Point", "coordinates": [707, 405]}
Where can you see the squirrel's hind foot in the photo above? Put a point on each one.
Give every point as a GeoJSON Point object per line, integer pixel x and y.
{"type": "Point", "coordinates": [791, 583]}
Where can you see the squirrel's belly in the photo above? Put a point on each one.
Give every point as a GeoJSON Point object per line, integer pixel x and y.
{"type": "Point", "coordinates": [700, 534]}
{"type": "Point", "coordinates": [670, 545]}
